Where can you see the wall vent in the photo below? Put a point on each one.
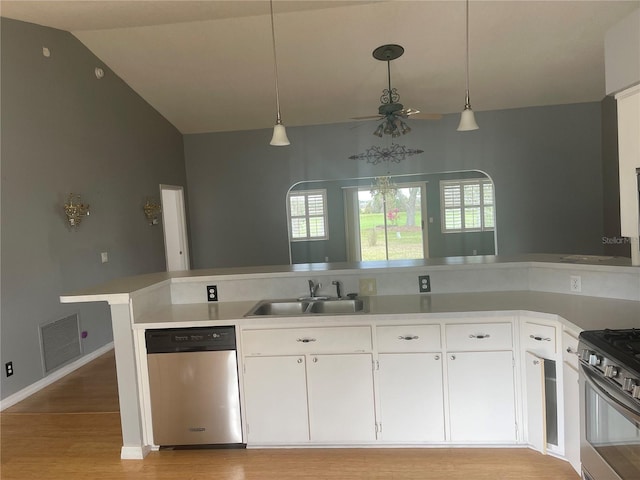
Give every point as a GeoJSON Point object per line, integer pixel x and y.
{"type": "Point", "coordinates": [60, 342]}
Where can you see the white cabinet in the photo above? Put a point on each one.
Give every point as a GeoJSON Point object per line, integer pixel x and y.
{"type": "Point", "coordinates": [572, 417]}
{"type": "Point", "coordinates": [482, 396]}
{"type": "Point", "coordinates": [539, 343]}
{"type": "Point", "coordinates": [295, 392]}
{"type": "Point", "coordinates": [341, 405]}
{"type": "Point", "coordinates": [536, 409]}
{"type": "Point", "coordinates": [481, 382]}
{"type": "Point", "coordinates": [411, 397]}
{"type": "Point", "coordinates": [571, 400]}
{"type": "Point", "coordinates": [410, 388]}
{"type": "Point", "coordinates": [275, 392]}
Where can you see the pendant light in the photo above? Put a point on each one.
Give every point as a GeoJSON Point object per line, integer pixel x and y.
{"type": "Point", "coordinates": [279, 132]}
{"type": "Point", "coordinates": [467, 118]}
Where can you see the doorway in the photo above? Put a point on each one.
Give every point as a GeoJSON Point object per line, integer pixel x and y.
{"type": "Point", "coordinates": [387, 223]}
{"type": "Point", "coordinates": [174, 224]}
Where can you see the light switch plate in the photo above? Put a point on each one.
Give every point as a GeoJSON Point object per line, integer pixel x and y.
{"type": "Point", "coordinates": [367, 286]}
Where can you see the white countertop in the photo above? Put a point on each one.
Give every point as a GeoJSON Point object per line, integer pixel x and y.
{"type": "Point", "coordinates": [576, 311]}
{"type": "Point", "coordinates": [119, 290]}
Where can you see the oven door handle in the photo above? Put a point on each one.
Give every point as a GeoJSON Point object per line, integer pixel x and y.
{"type": "Point", "coordinates": [617, 401]}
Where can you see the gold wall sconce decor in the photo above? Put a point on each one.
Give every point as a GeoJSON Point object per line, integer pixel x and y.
{"type": "Point", "coordinates": [75, 210]}
{"type": "Point", "coordinates": [152, 211]}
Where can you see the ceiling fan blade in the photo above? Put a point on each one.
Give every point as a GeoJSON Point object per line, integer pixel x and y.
{"type": "Point", "coordinates": [426, 116]}
{"type": "Point", "coordinates": [369, 117]}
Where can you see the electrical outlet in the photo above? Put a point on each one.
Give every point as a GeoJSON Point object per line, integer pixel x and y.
{"type": "Point", "coordinates": [424, 283]}
{"type": "Point", "coordinates": [368, 286]}
{"type": "Point", "coordinates": [8, 368]}
{"type": "Point", "coordinates": [212, 293]}
{"type": "Point", "coordinates": [575, 283]}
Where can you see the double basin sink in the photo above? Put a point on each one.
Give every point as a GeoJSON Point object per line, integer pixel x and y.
{"type": "Point", "coordinates": [307, 306]}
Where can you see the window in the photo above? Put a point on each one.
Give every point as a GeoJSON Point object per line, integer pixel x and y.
{"type": "Point", "coordinates": [467, 205]}
{"type": "Point", "coordinates": [308, 215]}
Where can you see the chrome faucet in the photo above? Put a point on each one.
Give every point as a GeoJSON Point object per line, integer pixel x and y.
{"type": "Point", "coordinates": [313, 288]}
{"type": "Point", "coordinates": [337, 284]}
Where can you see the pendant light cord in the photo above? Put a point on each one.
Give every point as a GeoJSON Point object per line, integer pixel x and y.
{"type": "Point", "coordinates": [275, 63]}
{"type": "Point", "coordinates": [467, 101]}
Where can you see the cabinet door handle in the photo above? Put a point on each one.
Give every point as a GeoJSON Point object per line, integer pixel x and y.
{"type": "Point", "coordinates": [571, 350]}
{"type": "Point", "coordinates": [480, 336]}
{"type": "Point", "coordinates": [436, 357]}
{"type": "Point", "coordinates": [538, 338]}
{"type": "Point", "coordinates": [452, 357]}
{"type": "Point", "coordinates": [306, 340]}
{"type": "Point", "coordinates": [299, 360]}
{"type": "Point", "coordinates": [408, 337]}
{"type": "Point", "coordinates": [536, 362]}
{"type": "Point", "coordinates": [315, 359]}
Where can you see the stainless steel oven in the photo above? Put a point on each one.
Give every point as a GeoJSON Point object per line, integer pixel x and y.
{"type": "Point", "coordinates": [610, 404]}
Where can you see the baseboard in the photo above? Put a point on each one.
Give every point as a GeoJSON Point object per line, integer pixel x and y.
{"type": "Point", "coordinates": [134, 453]}
{"type": "Point", "coordinates": [53, 377]}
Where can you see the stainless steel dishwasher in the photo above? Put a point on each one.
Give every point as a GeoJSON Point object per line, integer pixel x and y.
{"type": "Point", "coordinates": [193, 381]}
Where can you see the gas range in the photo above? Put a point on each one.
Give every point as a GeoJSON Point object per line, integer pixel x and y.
{"type": "Point", "coordinates": [615, 356]}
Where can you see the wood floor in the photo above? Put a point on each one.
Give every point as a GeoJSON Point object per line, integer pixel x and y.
{"type": "Point", "coordinates": [71, 430]}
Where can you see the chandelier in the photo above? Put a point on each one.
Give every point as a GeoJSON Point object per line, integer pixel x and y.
{"type": "Point", "coordinates": [394, 153]}
{"type": "Point", "coordinates": [384, 186]}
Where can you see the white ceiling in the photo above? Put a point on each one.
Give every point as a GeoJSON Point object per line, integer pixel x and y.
{"type": "Point", "coordinates": [208, 65]}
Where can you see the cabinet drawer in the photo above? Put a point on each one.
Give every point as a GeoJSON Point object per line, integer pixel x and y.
{"type": "Point", "coordinates": [539, 339]}
{"type": "Point", "coordinates": [570, 349]}
{"type": "Point", "coordinates": [479, 337]}
{"type": "Point", "coordinates": [306, 340]}
{"type": "Point", "coordinates": [410, 338]}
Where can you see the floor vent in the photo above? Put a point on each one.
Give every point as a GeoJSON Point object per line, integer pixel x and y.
{"type": "Point", "coordinates": [60, 342]}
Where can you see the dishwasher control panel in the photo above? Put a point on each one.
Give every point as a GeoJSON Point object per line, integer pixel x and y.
{"type": "Point", "coordinates": [195, 339]}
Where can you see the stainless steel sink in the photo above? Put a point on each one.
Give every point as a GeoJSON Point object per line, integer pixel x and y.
{"type": "Point", "coordinates": [315, 306]}
{"type": "Point", "coordinates": [337, 307]}
{"type": "Point", "coordinates": [279, 307]}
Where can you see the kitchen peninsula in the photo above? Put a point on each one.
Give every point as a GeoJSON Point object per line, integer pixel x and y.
{"type": "Point", "coordinates": [506, 304]}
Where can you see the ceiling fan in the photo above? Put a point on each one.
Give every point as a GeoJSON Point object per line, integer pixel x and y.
{"type": "Point", "coordinates": [391, 111]}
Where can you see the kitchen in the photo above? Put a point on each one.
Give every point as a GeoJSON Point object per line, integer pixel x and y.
{"type": "Point", "coordinates": [70, 260]}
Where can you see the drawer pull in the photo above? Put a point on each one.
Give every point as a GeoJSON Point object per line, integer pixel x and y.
{"type": "Point", "coordinates": [539, 338]}
{"type": "Point", "coordinates": [480, 336]}
{"type": "Point", "coordinates": [306, 340]}
{"type": "Point", "coordinates": [408, 337]}
{"type": "Point", "coordinates": [571, 350]}
{"type": "Point", "coordinates": [299, 360]}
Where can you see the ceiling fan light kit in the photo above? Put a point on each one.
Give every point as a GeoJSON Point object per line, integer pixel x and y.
{"type": "Point", "coordinates": [467, 118]}
{"type": "Point", "coordinates": [279, 138]}
{"type": "Point", "coordinates": [390, 111]}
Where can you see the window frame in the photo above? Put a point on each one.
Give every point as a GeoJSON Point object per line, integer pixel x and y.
{"type": "Point", "coordinates": [460, 183]}
{"type": "Point", "coordinates": [307, 216]}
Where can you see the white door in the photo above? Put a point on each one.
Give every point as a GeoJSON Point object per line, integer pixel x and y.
{"type": "Point", "coordinates": [535, 400]}
{"type": "Point", "coordinates": [341, 398]}
{"type": "Point", "coordinates": [174, 223]}
{"type": "Point", "coordinates": [481, 396]}
{"type": "Point", "coordinates": [275, 393]}
{"type": "Point", "coordinates": [411, 397]}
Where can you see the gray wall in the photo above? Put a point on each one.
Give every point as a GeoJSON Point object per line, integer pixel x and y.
{"type": "Point", "coordinates": [546, 164]}
{"type": "Point", "coordinates": [65, 131]}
